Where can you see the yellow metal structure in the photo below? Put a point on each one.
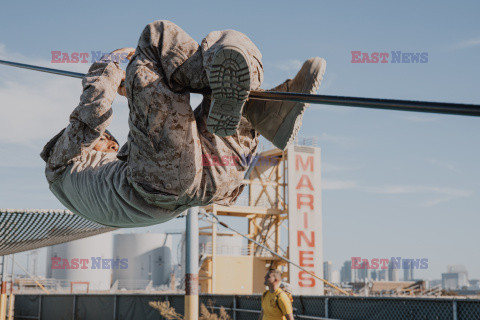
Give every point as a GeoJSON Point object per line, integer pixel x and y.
{"type": "Point", "coordinates": [267, 212]}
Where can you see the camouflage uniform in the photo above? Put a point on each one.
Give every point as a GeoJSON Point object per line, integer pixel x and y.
{"type": "Point", "coordinates": [160, 171]}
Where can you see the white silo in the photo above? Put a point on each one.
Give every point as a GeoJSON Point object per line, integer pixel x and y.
{"type": "Point", "coordinates": [82, 261]}
{"type": "Point", "coordinates": [149, 257]}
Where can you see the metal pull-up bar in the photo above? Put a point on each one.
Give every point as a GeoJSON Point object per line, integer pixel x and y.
{"type": "Point", "coordinates": [374, 103]}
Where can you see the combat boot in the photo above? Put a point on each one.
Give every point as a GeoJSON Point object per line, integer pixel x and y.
{"type": "Point", "coordinates": [229, 80]}
{"type": "Point", "coordinates": [279, 121]}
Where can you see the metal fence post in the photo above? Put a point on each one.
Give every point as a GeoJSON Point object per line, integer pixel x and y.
{"type": "Point", "coordinates": [326, 308]}
{"type": "Point", "coordinates": [74, 306]}
{"type": "Point", "coordinates": [234, 307]}
{"type": "Point", "coordinates": [114, 307]}
{"type": "Point", "coordinates": [455, 310]}
{"type": "Point", "coordinates": [39, 306]}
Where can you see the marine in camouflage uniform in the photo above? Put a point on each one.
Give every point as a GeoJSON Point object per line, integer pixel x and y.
{"type": "Point", "coordinates": [160, 171]}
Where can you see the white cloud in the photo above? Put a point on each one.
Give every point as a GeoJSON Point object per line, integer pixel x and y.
{"type": "Point", "coordinates": [20, 155]}
{"type": "Point", "coordinates": [439, 194]}
{"type": "Point", "coordinates": [44, 62]}
{"type": "Point", "coordinates": [469, 43]}
{"type": "Point", "coordinates": [330, 167]}
{"type": "Point", "coordinates": [443, 164]}
{"type": "Point", "coordinates": [328, 81]}
{"type": "Point", "coordinates": [289, 65]}
{"type": "Point", "coordinates": [36, 105]}
{"type": "Point", "coordinates": [339, 184]}
{"type": "Point", "coordinates": [35, 111]}
{"type": "Point", "coordinates": [434, 202]}
{"type": "Point", "coordinates": [333, 138]}
{"type": "Point", "coordinates": [405, 189]}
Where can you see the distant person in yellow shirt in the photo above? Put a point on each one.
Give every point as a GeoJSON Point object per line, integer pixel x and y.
{"type": "Point", "coordinates": [276, 305]}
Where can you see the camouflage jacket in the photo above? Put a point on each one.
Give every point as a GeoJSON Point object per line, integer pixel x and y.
{"type": "Point", "coordinates": [95, 184]}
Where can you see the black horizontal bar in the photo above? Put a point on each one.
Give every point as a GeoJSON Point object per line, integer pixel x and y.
{"type": "Point", "coordinates": [43, 69]}
{"type": "Point", "coordinates": [373, 103]}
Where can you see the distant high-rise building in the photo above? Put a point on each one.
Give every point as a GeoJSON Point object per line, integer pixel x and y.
{"type": "Point", "coordinates": [453, 281]}
{"type": "Point", "coordinates": [383, 275]}
{"type": "Point", "coordinates": [346, 271]}
{"type": "Point", "coordinates": [361, 274]}
{"type": "Point", "coordinates": [327, 270]}
{"type": "Point", "coordinates": [474, 284]}
{"type": "Point", "coordinates": [374, 275]}
{"type": "Point", "coordinates": [455, 278]}
{"type": "Point", "coordinates": [408, 271]}
{"type": "Point", "coordinates": [335, 277]}
{"type": "Point", "coordinates": [408, 274]}
{"type": "Point", "coordinates": [393, 271]}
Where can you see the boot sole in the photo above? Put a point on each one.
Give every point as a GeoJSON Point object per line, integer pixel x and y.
{"type": "Point", "coordinates": [230, 83]}
{"type": "Point", "coordinates": [293, 121]}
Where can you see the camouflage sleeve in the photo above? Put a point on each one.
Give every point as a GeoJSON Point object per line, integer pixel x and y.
{"type": "Point", "coordinates": [88, 121]}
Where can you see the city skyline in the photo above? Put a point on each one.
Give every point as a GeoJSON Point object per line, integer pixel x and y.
{"type": "Point", "coordinates": [393, 273]}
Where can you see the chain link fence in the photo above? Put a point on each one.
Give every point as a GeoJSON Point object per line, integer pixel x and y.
{"type": "Point", "coordinates": [135, 306]}
{"type": "Point", "coordinates": [22, 230]}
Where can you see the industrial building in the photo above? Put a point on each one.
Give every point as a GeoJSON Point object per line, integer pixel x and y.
{"type": "Point", "coordinates": [112, 262]}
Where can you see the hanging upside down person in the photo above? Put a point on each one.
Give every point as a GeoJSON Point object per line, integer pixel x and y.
{"type": "Point", "coordinates": [158, 173]}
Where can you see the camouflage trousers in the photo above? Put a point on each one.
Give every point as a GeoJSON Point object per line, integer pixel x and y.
{"type": "Point", "coordinates": [169, 145]}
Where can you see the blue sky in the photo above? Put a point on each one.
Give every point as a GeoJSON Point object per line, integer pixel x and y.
{"type": "Point", "coordinates": [394, 183]}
